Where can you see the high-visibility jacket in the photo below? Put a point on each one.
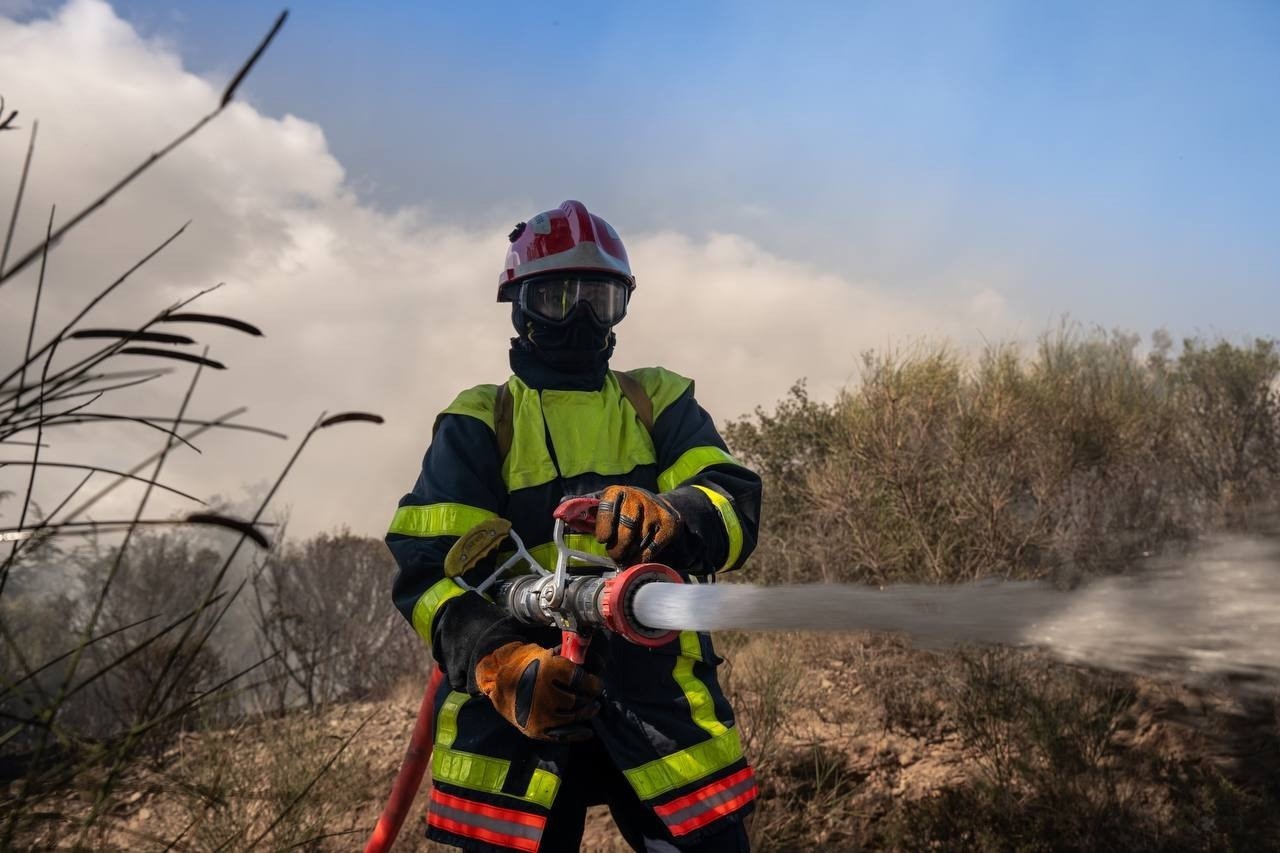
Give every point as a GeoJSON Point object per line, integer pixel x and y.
{"type": "Point", "coordinates": [665, 721]}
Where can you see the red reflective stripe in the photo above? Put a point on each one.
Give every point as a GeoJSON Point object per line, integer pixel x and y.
{"type": "Point", "coordinates": [481, 834]}
{"type": "Point", "coordinates": [495, 812]}
{"type": "Point", "coordinates": [720, 810]}
{"type": "Point", "coordinates": [702, 793]}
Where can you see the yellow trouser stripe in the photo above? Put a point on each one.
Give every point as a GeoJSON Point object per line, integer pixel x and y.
{"type": "Point", "coordinates": [447, 724]}
{"type": "Point", "coordinates": [702, 706]}
{"type": "Point", "coordinates": [480, 772]}
{"type": "Point", "coordinates": [690, 463]}
{"type": "Point", "coordinates": [424, 612]}
{"type": "Point", "coordinates": [438, 519]}
{"type": "Point", "coordinates": [731, 524]}
{"type": "Point", "coordinates": [688, 765]}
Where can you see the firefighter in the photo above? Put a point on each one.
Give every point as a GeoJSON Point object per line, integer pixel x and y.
{"type": "Point", "coordinates": [525, 739]}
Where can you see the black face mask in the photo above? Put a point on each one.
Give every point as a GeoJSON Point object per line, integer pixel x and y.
{"type": "Point", "coordinates": [580, 343]}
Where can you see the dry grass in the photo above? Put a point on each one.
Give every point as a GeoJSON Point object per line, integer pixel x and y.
{"type": "Point", "coordinates": [229, 794]}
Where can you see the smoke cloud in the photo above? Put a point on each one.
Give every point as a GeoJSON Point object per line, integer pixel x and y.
{"type": "Point", "coordinates": [390, 311]}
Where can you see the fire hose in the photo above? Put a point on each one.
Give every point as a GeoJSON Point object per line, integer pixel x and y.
{"type": "Point", "coordinates": [596, 595]}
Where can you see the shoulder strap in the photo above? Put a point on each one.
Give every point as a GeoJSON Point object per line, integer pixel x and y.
{"type": "Point", "coordinates": [502, 425]}
{"type": "Point", "coordinates": [636, 396]}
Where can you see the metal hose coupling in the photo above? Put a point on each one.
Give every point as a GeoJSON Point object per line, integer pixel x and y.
{"type": "Point", "coordinates": [617, 603]}
{"type": "Point", "coordinates": [588, 602]}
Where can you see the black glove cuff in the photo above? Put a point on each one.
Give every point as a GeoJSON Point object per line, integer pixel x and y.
{"type": "Point", "coordinates": [704, 544]}
{"type": "Point", "coordinates": [468, 628]}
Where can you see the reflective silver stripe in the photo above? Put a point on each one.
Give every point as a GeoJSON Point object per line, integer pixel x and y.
{"type": "Point", "coordinates": [716, 799]}
{"type": "Point", "coordinates": [493, 824]}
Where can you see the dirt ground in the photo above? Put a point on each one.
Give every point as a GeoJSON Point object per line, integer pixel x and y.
{"type": "Point", "coordinates": [853, 738]}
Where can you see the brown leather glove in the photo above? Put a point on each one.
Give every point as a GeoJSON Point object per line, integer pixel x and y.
{"type": "Point", "coordinates": [545, 696]}
{"type": "Point", "coordinates": [636, 525]}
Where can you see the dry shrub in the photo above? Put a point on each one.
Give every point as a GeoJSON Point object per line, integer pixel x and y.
{"type": "Point", "coordinates": [1074, 462]}
{"type": "Point", "coordinates": [162, 577]}
{"type": "Point", "coordinates": [323, 613]}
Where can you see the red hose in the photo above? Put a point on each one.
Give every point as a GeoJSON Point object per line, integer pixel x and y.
{"type": "Point", "coordinates": [405, 787]}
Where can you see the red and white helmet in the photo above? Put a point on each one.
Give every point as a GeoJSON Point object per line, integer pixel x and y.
{"type": "Point", "coordinates": [569, 238]}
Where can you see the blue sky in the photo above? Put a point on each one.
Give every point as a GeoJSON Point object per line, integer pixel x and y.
{"type": "Point", "coordinates": [1118, 161]}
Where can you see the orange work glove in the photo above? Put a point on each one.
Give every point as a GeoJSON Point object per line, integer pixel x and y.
{"type": "Point", "coordinates": [545, 696]}
{"type": "Point", "coordinates": [635, 524]}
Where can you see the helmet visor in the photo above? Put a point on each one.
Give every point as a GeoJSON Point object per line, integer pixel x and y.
{"type": "Point", "coordinates": [553, 298]}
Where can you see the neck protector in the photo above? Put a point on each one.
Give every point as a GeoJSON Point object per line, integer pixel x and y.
{"type": "Point", "coordinates": [580, 345]}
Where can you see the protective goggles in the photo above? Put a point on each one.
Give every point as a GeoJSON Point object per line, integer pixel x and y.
{"type": "Point", "coordinates": [554, 298]}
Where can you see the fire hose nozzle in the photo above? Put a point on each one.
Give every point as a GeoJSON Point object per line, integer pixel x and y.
{"type": "Point", "coordinates": [590, 602]}
{"type": "Point", "coordinates": [617, 603]}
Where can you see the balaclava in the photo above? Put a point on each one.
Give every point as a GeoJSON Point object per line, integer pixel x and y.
{"type": "Point", "coordinates": [580, 345]}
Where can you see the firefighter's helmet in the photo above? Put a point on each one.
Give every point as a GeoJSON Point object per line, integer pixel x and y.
{"type": "Point", "coordinates": [567, 239]}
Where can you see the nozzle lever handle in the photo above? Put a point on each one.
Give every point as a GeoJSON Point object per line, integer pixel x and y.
{"type": "Point", "coordinates": [574, 646]}
{"type": "Point", "coordinates": [578, 514]}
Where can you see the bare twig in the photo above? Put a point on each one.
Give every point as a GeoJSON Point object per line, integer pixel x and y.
{"type": "Point", "coordinates": [44, 464]}
{"type": "Point", "coordinates": [181, 835]}
{"type": "Point", "coordinates": [113, 775]}
{"type": "Point", "coordinates": [17, 201]}
{"type": "Point", "coordinates": [93, 303]}
{"type": "Point", "coordinates": [35, 467]}
{"type": "Point", "coordinates": [7, 123]}
{"type": "Point", "coordinates": [87, 417]}
{"type": "Point", "coordinates": [176, 355]}
{"type": "Point", "coordinates": [142, 504]}
{"type": "Point", "coordinates": [131, 334]}
{"type": "Point", "coordinates": [65, 419]}
{"type": "Point", "coordinates": [205, 425]}
{"type": "Point", "coordinates": [79, 528]}
{"type": "Point", "coordinates": [35, 305]}
{"type": "Point", "coordinates": [71, 394]}
{"type": "Point", "coordinates": [73, 374]}
{"type": "Point", "coordinates": [61, 780]}
{"type": "Point", "coordinates": [212, 319]}
{"type": "Point", "coordinates": [309, 843]}
{"type": "Point", "coordinates": [42, 418]}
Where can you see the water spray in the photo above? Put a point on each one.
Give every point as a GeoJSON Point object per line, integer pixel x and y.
{"type": "Point", "coordinates": [1210, 617]}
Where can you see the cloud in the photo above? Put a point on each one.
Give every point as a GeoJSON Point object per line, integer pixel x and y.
{"type": "Point", "coordinates": [746, 323]}
{"type": "Point", "coordinates": [364, 308]}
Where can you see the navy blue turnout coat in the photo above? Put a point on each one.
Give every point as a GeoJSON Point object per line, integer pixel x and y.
{"type": "Point", "coordinates": [665, 722]}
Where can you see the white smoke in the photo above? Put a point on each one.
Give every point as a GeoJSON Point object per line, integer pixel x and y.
{"type": "Point", "coordinates": [363, 308]}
